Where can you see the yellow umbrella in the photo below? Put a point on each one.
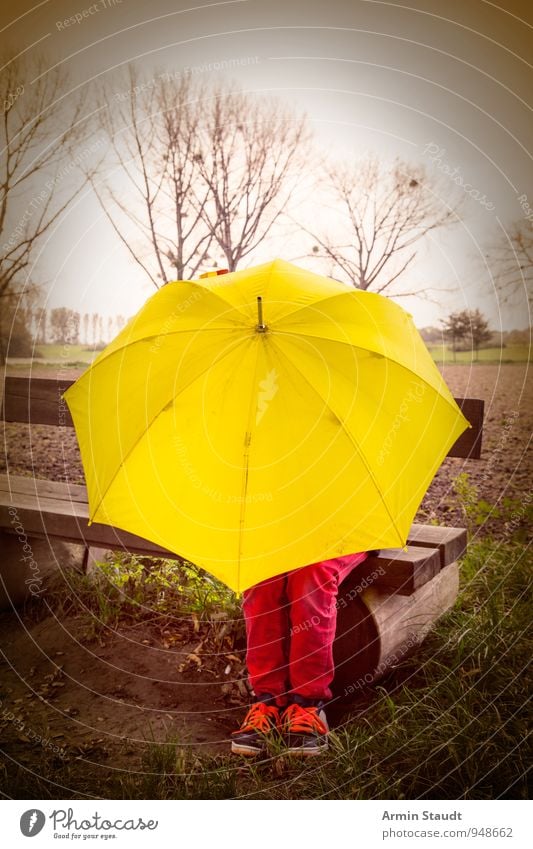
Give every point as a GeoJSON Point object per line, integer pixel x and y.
{"type": "Point", "coordinates": [262, 420]}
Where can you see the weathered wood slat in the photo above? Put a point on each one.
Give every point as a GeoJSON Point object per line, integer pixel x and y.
{"type": "Point", "coordinates": [403, 571]}
{"type": "Point", "coordinates": [469, 443]}
{"type": "Point", "coordinates": [37, 400]}
{"type": "Point", "coordinates": [378, 629]}
{"type": "Point", "coordinates": [403, 622]}
{"type": "Point", "coordinates": [61, 490]}
{"type": "Point", "coordinates": [451, 542]}
{"type": "Point", "coordinates": [68, 520]}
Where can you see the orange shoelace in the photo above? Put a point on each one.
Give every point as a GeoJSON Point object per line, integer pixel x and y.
{"type": "Point", "coordinates": [260, 717]}
{"type": "Point", "coordinates": [303, 720]}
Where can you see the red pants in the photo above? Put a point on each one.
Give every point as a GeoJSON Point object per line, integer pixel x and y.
{"type": "Point", "coordinates": [290, 628]}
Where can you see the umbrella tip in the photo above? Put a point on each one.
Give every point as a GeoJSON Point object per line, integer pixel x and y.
{"type": "Point", "coordinates": [260, 326]}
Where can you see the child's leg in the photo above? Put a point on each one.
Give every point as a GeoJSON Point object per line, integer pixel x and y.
{"type": "Point", "coordinates": [312, 593]}
{"type": "Point", "coordinates": [265, 608]}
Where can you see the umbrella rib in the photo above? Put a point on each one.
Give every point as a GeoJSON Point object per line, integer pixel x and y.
{"type": "Point", "coordinates": [349, 291]}
{"type": "Point", "coordinates": [354, 443]}
{"type": "Point", "coordinates": [156, 336]}
{"type": "Point", "coordinates": [246, 459]}
{"type": "Point", "coordinates": [386, 356]}
{"type": "Point", "coordinates": [149, 425]}
{"type": "Point", "coordinates": [248, 442]}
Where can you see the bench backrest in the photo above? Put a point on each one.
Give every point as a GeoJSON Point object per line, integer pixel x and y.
{"type": "Point", "coordinates": [37, 400]}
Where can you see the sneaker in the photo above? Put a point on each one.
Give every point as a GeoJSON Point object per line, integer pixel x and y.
{"type": "Point", "coordinates": [305, 729]}
{"type": "Point", "coordinates": [261, 721]}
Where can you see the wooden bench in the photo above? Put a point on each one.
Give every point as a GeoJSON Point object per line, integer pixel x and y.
{"type": "Point", "coordinates": [385, 607]}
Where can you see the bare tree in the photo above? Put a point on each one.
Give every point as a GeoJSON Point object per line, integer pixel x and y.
{"type": "Point", "coordinates": [511, 259]}
{"type": "Point", "coordinates": [478, 329]}
{"type": "Point", "coordinates": [152, 126]}
{"type": "Point", "coordinates": [65, 326]}
{"type": "Point", "coordinates": [251, 152]}
{"type": "Point", "coordinates": [208, 168]}
{"type": "Point", "coordinates": [455, 328]}
{"type": "Point", "coordinates": [86, 328]}
{"type": "Point", "coordinates": [466, 324]}
{"type": "Point", "coordinates": [39, 135]}
{"type": "Point", "coordinates": [42, 326]}
{"type": "Point", "coordinates": [378, 216]}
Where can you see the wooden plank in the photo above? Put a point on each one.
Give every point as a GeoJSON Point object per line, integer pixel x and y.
{"type": "Point", "coordinates": [61, 490]}
{"type": "Point", "coordinates": [380, 628]}
{"type": "Point", "coordinates": [469, 443]}
{"type": "Point", "coordinates": [38, 400]}
{"type": "Point", "coordinates": [404, 620]}
{"type": "Point", "coordinates": [399, 570]}
{"type": "Point", "coordinates": [451, 542]}
{"type": "Point", "coordinates": [356, 648]}
{"type": "Point", "coordinates": [68, 521]}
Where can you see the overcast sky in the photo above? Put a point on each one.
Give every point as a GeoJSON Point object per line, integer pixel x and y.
{"type": "Point", "coordinates": [445, 84]}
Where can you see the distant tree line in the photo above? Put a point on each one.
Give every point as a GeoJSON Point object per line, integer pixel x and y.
{"type": "Point", "coordinates": [35, 325]}
{"type": "Point", "coordinates": [66, 326]}
{"type": "Point", "coordinates": [498, 338]}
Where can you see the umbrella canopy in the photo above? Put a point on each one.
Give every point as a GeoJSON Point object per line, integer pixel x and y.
{"type": "Point", "coordinates": [258, 421]}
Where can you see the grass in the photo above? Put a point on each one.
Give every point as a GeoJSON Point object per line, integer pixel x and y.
{"type": "Point", "coordinates": [447, 723]}
{"type": "Point", "coordinates": [81, 355]}
{"type": "Point", "coordinates": [71, 353]}
{"type": "Point", "coordinates": [56, 357]}
{"type": "Point", "coordinates": [443, 354]}
{"type": "Point", "coordinates": [129, 588]}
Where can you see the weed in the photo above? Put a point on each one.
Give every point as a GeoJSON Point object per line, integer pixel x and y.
{"type": "Point", "coordinates": [476, 511]}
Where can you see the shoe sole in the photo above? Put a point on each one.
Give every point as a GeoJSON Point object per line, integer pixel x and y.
{"type": "Point", "coordinates": [247, 751]}
{"type": "Point", "coordinates": [304, 752]}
